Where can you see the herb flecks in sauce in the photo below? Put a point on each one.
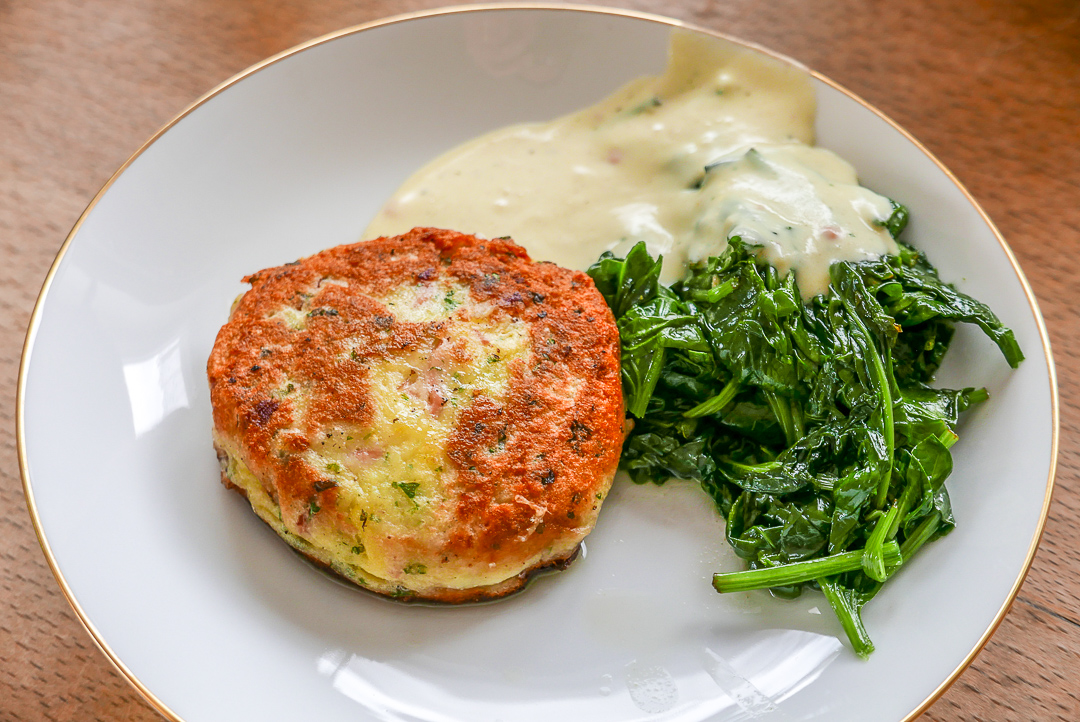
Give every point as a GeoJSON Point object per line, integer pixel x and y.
{"type": "Point", "coordinates": [667, 160]}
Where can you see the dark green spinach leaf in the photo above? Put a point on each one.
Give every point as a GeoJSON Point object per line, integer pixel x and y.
{"type": "Point", "coordinates": [812, 426]}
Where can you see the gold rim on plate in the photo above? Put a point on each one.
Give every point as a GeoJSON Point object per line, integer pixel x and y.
{"type": "Point", "coordinates": [35, 318]}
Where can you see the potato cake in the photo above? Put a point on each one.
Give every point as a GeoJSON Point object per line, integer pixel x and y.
{"type": "Point", "coordinates": [432, 416]}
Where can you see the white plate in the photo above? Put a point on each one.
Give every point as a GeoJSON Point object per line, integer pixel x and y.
{"type": "Point", "coordinates": [214, 619]}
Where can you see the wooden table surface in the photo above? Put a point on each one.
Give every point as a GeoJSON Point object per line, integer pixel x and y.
{"type": "Point", "coordinates": [991, 86]}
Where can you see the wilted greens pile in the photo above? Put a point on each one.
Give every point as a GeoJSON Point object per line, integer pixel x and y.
{"type": "Point", "coordinates": [812, 425]}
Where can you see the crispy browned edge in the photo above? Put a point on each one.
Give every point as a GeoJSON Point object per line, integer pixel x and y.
{"type": "Point", "coordinates": [513, 585]}
{"type": "Point", "coordinates": [572, 332]}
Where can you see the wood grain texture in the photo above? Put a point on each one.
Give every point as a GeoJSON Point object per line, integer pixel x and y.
{"type": "Point", "coordinates": [991, 86]}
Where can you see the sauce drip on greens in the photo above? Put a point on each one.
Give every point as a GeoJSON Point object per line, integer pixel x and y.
{"type": "Point", "coordinates": [811, 425]}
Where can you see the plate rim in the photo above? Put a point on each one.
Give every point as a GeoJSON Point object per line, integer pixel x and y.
{"type": "Point", "coordinates": [37, 313]}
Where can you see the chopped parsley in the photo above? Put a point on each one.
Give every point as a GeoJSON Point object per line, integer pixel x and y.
{"type": "Point", "coordinates": [408, 488]}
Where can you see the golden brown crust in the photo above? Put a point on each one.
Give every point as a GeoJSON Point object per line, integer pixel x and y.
{"type": "Point", "coordinates": [441, 595]}
{"type": "Point", "coordinates": [558, 451]}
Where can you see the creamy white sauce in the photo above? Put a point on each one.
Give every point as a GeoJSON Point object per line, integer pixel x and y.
{"type": "Point", "coordinates": [633, 168]}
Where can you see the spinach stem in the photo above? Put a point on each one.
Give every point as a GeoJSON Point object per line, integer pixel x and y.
{"type": "Point", "coordinates": [921, 535]}
{"type": "Point", "coordinates": [848, 607]}
{"type": "Point", "coordinates": [884, 383]}
{"type": "Point", "coordinates": [716, 403]}
{"type": "Point", "coordinates": [782, 410]}
{"type": "Point", "coordinates": [799, 572]}
{"type": "Point", "coordinates": [873, 559]}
